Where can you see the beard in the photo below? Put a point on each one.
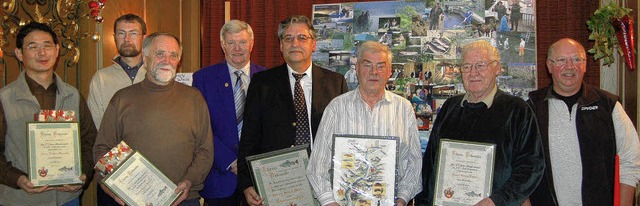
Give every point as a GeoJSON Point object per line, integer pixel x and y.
{"type": "Point", "coordinates": [163, 76]}
{"type": "Point", "coordinates": [128, 51]}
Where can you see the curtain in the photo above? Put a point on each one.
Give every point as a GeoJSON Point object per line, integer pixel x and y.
{"type": "Point", "coordinates": [212, 19]}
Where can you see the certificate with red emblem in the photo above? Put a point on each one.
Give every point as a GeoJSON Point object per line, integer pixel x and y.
{"type": "Point", "coordinates": [54, 153]}
{"type": "Point", "coordinates": [465, 172]}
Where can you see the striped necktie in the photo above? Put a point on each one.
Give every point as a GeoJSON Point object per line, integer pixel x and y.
{"type": "Point", "coordinates": [238, 98]}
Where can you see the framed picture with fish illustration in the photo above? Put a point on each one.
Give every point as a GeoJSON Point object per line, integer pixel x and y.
{"type": "Point", "coordinates": [280, 177]}
{"type": "Point", "coordinates": [464, 173]}
{"type": "Point", "coordinates": [364, 169]}
{"type": "Point", "coordinates": [54, 153]}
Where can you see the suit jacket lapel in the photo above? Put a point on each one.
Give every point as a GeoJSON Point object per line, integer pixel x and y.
{"type": "Point", "coordinates": [282, 84]}
{"type": "Point", "coordinates": [317, 88]}
{"type": "Point", "coordinates": [223, 82]}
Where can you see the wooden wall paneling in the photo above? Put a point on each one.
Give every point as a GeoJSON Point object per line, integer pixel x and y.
{"type": "Point", "coordinates": [630, 95]}
{"type": "Point", "coordinates": [190, 36]}
{"type": "Point", "coordinates": [111, 11]}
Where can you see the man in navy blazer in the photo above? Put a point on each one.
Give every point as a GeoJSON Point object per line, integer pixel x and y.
{"type": "Point", "coordinates": [270, 120]}
{"type": "Point", "coordinates": [217, 83]}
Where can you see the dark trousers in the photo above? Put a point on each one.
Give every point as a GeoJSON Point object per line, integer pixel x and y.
{"type": "Point", "coordinates": [105, 200]}
{"type": "Point", "coordinates": [233, 200]}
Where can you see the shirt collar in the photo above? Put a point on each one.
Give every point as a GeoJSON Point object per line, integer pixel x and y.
{"type": "Point", "coordinates": [308, 71]}
{"type": "Point", "coordinates": [244, 69]}
{"type": "Point", "coordinates": [34, 86]}
{"type": "Point", "coordinates": [124, 65]}
{"type": "Point", "coordinates": [386, 96]}
{"type": "Point", "coordinates": [488, 100]}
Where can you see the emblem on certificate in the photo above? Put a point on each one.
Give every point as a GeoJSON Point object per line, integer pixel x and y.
{"type": "Point", "coordinates": [280, 176]}
{"type": "Point", "coordinates": [465, 172]}
{"type": "Point", "coordinates": [54, 153]}
{"type": "Point", "coordinates": [134, 179]}
{"type": "Point", "coordinates": [364, 169]}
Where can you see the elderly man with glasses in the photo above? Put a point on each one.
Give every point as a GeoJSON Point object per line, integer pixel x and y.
{"type": "Point", "coordinates": [484, 115]}
{"type": "Point", "coordinates": [583, 130]}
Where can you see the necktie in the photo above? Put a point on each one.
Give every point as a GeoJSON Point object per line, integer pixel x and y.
{"type": "Point", "coordinates": [302, 119]}
{"type": "Point", "coordinates": [238, 98]}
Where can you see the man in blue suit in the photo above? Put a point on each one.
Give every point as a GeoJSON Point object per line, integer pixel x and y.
{"type": "Point", "coordinates": [224, 87]}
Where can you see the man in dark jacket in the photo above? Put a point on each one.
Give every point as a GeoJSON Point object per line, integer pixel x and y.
{"type": "Point", "coordinates": [583, 129]}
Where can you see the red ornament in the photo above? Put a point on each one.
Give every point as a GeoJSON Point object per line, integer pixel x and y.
{"type": "Point", "coordinates": [93, 5]}
{"type": "Point", "coordinates": [624, 31]}
{"type": "Point", "coordinates": [95, 13]}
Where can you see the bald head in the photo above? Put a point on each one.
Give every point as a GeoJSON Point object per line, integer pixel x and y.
{"type": "Point", "coordinates": [565, 42]}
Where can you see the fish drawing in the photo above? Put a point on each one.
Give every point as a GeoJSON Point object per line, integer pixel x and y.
{"type": "Point", "coordinates": [472, 194]}
{"type": "Point", "coordinates": [289, 163]}
{"type": "Point", "coordinates": [65, 169]}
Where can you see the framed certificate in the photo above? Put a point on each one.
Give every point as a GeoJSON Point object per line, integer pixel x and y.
{"type": "Point", "coordinates": [138, 182]}
{"type": "Point", "coordinates": [280, 177]}
{"type": "Point", "coordinates": [465, 172]}
{"type": "Point", "coordinates": [364, 169]}
{"type": "Point", "coordinates": [54, 153]}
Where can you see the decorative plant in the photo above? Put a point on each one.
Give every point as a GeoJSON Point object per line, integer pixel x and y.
{"type": "Point", "coordinates": [610, 26]}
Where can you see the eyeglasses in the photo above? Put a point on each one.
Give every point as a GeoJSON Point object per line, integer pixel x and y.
{"type": "Point", "coordinates": [301, 38]}
{"type": "Point", "coordinates": [37, 47]}
{"type": "Point", "coordinates": [377, 67]}
{"type": "Point", "coordinates": [123, 34]}
{"type": "Point", "coordinates": [564, 61]}
{"type": "Point", "coordinates": [480, 66]}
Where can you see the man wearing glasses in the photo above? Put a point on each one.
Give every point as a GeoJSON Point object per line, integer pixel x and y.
{"type": "Point", "coordinates": [369, 110]}
{"type": "Point", "coordinates": [583, 130]}
{"type": "Point", "coordinates": [38, 88]}
{"type": "Point", "coordinates": [486, 114]}
{"type": "Point", "coordinates": [129, 30]}
{"type": "Point", "coordinates": [284, 104]}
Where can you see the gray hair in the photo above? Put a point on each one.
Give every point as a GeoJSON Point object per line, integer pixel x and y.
{"type": "Point", "coordinates": [235, 26]}
{"type": "Point", "coordinates": [146, 43]}
{"type": "Point", "coordinates": [482, 45]}
{"type": "Point", "coordinates": [296, 20]}
{"type": "Point", "coordinates": [374, 47]}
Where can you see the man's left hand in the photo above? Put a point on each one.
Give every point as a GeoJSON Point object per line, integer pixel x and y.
{"type": "Point", "coordinates": [72, 188]}
{"type": "Point", "coordinates": [486, 202]}
{"type": "Point", "coordinates": [183, 187]}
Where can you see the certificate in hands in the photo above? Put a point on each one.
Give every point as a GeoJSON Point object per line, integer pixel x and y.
{"type": "Point", "coordinates": [465, 172]}
{"type": "Point", "coordinates": [54, 153]}
{"type": "Point", "coordinates": [137, 181]}
{"type": "Point", "coordinates": [280, 176]}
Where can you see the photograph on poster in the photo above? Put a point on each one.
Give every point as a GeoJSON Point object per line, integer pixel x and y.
{"type": "Point", "coordinates": [426, 37]}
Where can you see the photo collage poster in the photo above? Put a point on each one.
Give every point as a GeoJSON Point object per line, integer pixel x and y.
{"type": "Point", "coordinates": [426, 38]}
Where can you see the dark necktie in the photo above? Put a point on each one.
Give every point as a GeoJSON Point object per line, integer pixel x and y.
{"type": "Point", "coordinates": [302, 119]}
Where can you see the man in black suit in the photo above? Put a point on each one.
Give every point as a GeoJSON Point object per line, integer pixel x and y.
{"type": "Point", "coordinates": [270, 118]}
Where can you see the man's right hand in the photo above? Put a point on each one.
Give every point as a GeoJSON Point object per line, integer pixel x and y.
{"type": "Point", "coordinates": [27, 186]}
{"type": "Point", "coordinates": [252, 197]}
{"type": "Point", "coordinates": [108, 191]}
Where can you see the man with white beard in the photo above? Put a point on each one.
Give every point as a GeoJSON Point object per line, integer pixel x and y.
{"type": "Point", "coordinates": [165, 121]}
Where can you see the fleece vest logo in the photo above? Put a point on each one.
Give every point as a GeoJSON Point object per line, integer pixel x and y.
{"type": "Point", "coordinates": [590, 108]}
